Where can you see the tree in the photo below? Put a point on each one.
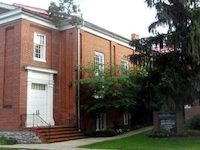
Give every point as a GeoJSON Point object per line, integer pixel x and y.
{"type": "Point", "coordinates": [173, 79]}
{"type": "Point", "coordinates": [65, 10]}
{"type": "Point", "coordinates": [182, 19]}
{"type": "Point", "coordinates": [107, 91]}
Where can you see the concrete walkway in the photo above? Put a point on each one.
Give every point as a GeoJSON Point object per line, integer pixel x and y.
{"type": "Point", "coordinates": [72, 145]}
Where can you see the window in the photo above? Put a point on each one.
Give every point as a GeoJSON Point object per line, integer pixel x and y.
{"type": "Point", "coordinates": [99, 63]}
{"type": "Point", "coordinates": [124, 65]}
{"type": "Point", "coordinates": [99, 69]}
{"type": "Point", "coordinates": [37, 86]}
{"type": "Point", "coordinates": [39, 47]}
{"type": "Point", "coordinates": [101, 122]}
{"type": "Point", "coordinates": [126, 117]}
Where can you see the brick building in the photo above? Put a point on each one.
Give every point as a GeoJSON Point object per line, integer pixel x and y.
{"type": "Point", "coordinates": [39, 63]}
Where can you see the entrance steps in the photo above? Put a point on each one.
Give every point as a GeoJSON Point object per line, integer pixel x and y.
{"type": "Point", "coordinates": [58, 133]}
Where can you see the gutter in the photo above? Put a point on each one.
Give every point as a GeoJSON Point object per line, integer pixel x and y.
{"type": "Point", "coordinates": [78, 78]}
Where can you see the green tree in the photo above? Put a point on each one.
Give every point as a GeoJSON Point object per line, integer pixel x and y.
{"type": "Point", "coordinates": [107, 91]}
{"type": "Point", "coordinates": [65, 10]}
{"type": "Point", "coordinates": [173, 76]}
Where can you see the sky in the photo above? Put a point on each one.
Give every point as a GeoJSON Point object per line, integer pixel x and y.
{"type": "Point", "coordinates": [123, 17]}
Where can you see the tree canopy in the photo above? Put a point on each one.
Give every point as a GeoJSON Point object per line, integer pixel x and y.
{"type": "Point", "coordinates": [173, 74]}
{"type": "Point", "coordinates": [107, 91]}
{"type": "Point", "coordinates": [65, 10]}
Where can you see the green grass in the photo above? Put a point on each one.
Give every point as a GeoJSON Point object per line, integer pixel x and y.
{"type": "Point", "coordinates": [14, 149]}
{"type": "Point", "coordinates": [142, 142]}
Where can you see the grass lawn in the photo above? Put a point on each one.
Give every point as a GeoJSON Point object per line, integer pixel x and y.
{"type": "Point", "coordinates": [142, 142]}
{"type": "Point", "coordinates": [9, 149]}
{"type": "Point", "coordinates": [14, 149]}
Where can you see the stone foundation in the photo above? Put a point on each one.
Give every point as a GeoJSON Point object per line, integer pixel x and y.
{"type": "Point", "coordinates": [22, 137]}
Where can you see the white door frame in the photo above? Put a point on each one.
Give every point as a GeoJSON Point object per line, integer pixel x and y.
{"type": "Point", "coordinates": [101, 122]}
{"type": "Point", "coordinates": [40, 76]}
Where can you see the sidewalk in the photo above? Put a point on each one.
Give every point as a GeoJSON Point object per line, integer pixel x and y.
{"type": "Point", "coordinates": [72, 145]}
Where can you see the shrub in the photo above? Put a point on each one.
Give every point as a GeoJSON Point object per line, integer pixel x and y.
{"type": "Point", "coordinates": [193, 122]}
{"type": "Point", "coordinates": [106, 133]}
{"type": "Point", "coordinates": [7, 141]}
{"type": "Point", "coordinates": [160, 134]}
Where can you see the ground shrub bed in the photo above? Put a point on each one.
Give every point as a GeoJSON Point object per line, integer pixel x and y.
{"type": "Point", "coordinates": [7, 141]}
{"type": "Point", "coordinates": [112, 132]}
{"type": "Point", "coordinates": [193, 122]}
{"type": "Point", "coordinates": [188, 141]}
{"type": "Point", "coordinates": [106, 133]}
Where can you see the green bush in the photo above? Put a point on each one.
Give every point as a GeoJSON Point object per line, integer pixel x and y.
{"type": "Point", "coordinates": [106, 133]}
{"type": "Point", "coordinates": [160, 134]}
{"type": "Point", "coordinates": [194, 122]}
{"type": "Point", "coordinates": [7, 141]}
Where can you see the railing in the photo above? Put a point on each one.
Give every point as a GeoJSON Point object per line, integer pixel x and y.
{"type": "Point", "coordinates": [33, 120]}
{"type": "Point", "coordinates": [36, 121]}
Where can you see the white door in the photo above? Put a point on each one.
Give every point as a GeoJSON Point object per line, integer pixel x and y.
{"type": "Point", "coordinates": [39, 99]}
{"type": "Point", "coordinates": [38, 103]}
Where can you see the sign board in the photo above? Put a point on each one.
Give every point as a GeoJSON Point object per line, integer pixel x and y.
{"type": "Point", "coordinates": [167, 122]}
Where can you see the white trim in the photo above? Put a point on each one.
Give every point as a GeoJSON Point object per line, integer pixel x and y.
{"type": "Point", "coordinates": [105, 36]}
{"type": "Point", "coordinates": [51, 71]}
{"type": "Point", "coordinates": [101, 122]}
{"type": "Point", "coordinates": [101, 67]}
{"type": "Point", "coordinates": [43, 53]}
{"type": "Point", "coordinates": [125, 62]}
{"type": "Point", "coordinates": [101, 55]}
{"type": "Point", "coordinates": [10, 13]}
{"type": "Point", "coordinates": [46, 78]}
{"type": "Point", "coordinates": [66, 27]}
{"type": "Point", "coordinates": [126, 118]}
{"type": "Point", "coordinates": [20, 14]}
{"type": "Point", "coordinates": [39, 20]}
{"type": "Point", "coordinates": [7, 6]}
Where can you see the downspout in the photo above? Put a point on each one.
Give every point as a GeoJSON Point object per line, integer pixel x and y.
{"type": "Point", "coordinates": [78, 78]}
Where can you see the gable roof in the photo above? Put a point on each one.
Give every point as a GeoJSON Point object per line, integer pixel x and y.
{"type": "Point", "coordinates": [33, 9]}
{"type": "Point", "coordinates": [18, 11]}
{"type": "Point", "coordinates": [7, 6]}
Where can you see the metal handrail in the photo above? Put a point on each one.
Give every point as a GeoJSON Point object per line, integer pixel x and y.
{"type": "Point", "coordinates": [48, 124]}
{"type": "Point", "coordinates": [24, 118]}
{"type": "Point", "coordinates": [34, 116]}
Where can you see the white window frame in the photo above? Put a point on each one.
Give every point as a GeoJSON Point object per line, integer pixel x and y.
{"type": "Point", "coordinates": [126, 66]}
{"type": "Point", "coordinates": [99, 54]}
{"type": "Point", "coordinates": [126, 117]}
{"type": "Point", "coordinates": [35, 42]}
{"type": "Point", "coordinates": [101, 122]}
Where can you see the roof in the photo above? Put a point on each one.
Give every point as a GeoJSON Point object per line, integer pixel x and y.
{"type": "Point", "coordinates": [7, 6]}
{"type": "Point", "coordinates": [42, 15]}
{"type": "Point", "coordinates": [33, 9]}
{"type": "Point", "coordinates": [106, 32]}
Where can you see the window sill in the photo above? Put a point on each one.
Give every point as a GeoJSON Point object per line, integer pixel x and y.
{"type": "Point", "coordinates": [40, 60]}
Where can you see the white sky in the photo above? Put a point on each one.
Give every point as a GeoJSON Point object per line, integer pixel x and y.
{"type": "Point", "coordinates": [119, 16]}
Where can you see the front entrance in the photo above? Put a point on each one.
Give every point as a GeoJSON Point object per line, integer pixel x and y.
{"type": "Point", "coordinates": [39, 99]}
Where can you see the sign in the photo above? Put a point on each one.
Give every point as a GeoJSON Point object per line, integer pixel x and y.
{"type": "Point", "coordinates": [167, 122]}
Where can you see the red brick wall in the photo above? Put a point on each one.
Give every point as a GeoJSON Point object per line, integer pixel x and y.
{"type": "Point", "coordinates": [16, 52]}
{"type": "Point", "coordinates": [60, 55]}
{"type": "Point", "coordinates": [113, 54]}
{"type": "Point", "coordinates": [195, 109]}
{"type": "Point", "coordinates": [9, 75]}
{"type": "Point", "coordinates": [66, 104]}
{"type": "Point", "coordinates": [28, 29]}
